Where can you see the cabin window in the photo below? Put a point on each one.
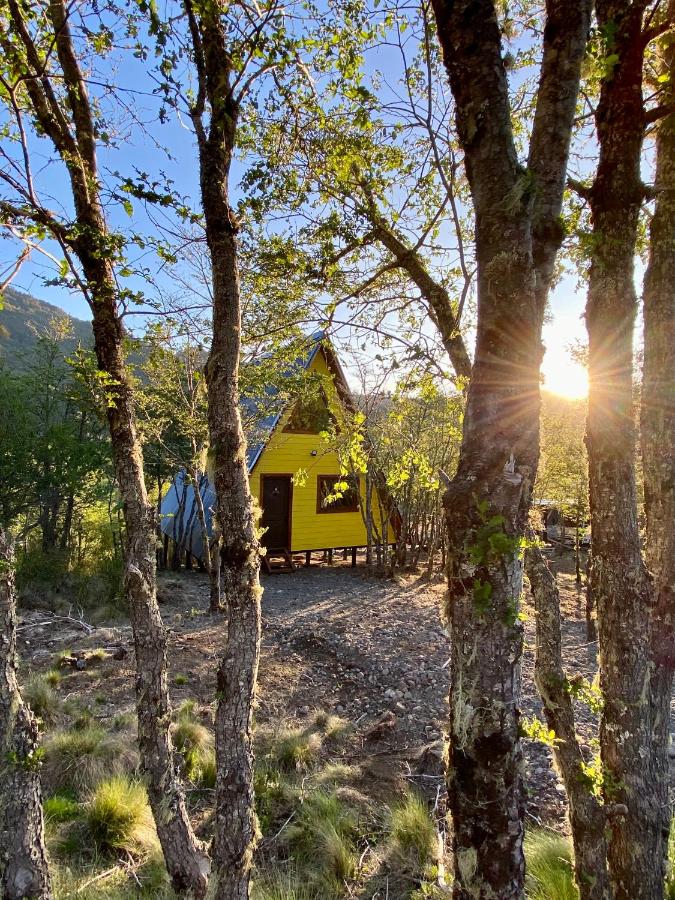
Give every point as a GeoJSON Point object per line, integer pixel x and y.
{"type": "Point", "coordinates": [310, 416]}
{"type": "Point", "coordinates": [347, 486]}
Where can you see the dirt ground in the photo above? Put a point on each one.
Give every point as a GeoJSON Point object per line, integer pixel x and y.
{"type": "Point", "coordinates": [373, 651]}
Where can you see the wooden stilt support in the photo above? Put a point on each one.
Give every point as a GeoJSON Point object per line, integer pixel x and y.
{"type": "Point", "coordinates": [308, 559]}
{"type": "Point", "coordinates": [353, 557]}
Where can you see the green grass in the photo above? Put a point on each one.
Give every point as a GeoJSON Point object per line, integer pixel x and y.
{"type": "Point", "coordinates": [278, 884]}
{"type": "Point", "coordinates": [61, 808]}
{"type": "Point", "coordinates": [331, 726]}
{"type": "Point", "coordinates": [322, 840]}
{"type": "Point", "coordinates": [296, 750]}
{"type": "Point", "coordinates": [413, 833]}
{"type": "Point", "coordinates": [275, 797]}
{"type": "Point", "coordinates": [77, 759]}
{"type": "Point", "coordinates": [39, 694]}
{"type": "Point", "coordinates": [117, 884]}
{"type": "Point", "coordinates": [180, 680]}
{"type": "Point", "coordinates": [117, 817]}
{"type": "Point", "coordinates": [336, 773]}
{"type": "Point", "coordinates": [194, 742]}
{"type": "Point", "coordinates": [53, 678]}
{"type": "Point", "coordinates": [549, 867]}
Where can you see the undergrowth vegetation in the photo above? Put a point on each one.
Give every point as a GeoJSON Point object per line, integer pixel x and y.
{"type": "Point", "coordinates": [549, 867]}
{"type": "Point", "coordinates": [324, 834]}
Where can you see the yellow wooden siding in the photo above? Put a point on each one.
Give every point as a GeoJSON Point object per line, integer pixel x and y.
{"type": "Point", "coordinates": [289, 454]}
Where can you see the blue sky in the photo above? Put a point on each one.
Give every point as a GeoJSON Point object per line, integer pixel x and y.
{"type": "Point", "coordinates": [137, 148]}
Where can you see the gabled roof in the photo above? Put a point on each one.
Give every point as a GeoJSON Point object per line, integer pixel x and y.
{"type": "Point", "coordinates": [266, 425]}
{"type": "Point", "coordinates": [181, 493]}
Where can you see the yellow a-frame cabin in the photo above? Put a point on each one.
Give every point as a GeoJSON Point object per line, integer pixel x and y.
{"type": "Point", "coordinates": [293, 472]}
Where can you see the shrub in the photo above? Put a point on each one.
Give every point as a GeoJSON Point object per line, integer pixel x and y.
{"type": "Point", "coordinates": [414, 833]}
{"type": "Point", "coordinates": [79, 758]}
{"type": "Point", "coordinates": [117, 817]}
{"type": "Point", "coordinates": [40, 696]}
{"type": "Point", "coordinates": [179, 680]}
{"type": "Point", "coordinates": [549, 867]}
{"type": "Point", "coordinates": [36, 569]}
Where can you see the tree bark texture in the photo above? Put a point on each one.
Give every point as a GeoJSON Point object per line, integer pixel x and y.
{"type": "Point", "coordinates": [620, 583]}
{"type": "Point", "coordinates": [658, 441]}
{"type": "Point", "coordinates": [586, 814]}
{"type": "Point", "coordinates": [71, 129]}
{"type": "Point", "coordinates": [235, 824]}
{"type": "Point", "coordinates": [24, 870]}
{"type": "Point", "coordinates": [486, 504]}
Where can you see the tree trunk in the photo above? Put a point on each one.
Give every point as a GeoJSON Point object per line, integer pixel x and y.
{"type": "Point", "coordinates": [73, 134]}
{"type": "Point", "coordinates": [215, 603]}
{"type": "Point", "coordinates": [67, 521]}
{"type": "Point", "coordinates": [24, 871]}
{"type": "Point", "coordinates": [486, 505]}
{"type": "Point", "coordinates": [185, 857]}
{"type": "Point", "coordinates": [586, 815]}
{"type": "Point", "coordinates": [658, 446]}
{"type": "Point", "coordinates": [235, 829]}
{"type": "Point", "coordinates": [235, 832]}
{"type": "Point", "coordinates": [620, 583]}
{"type": "Point", "coordinates": [201, 516]}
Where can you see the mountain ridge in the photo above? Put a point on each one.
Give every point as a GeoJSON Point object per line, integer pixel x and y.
{"type": "Point", "coordinates": [22, 319]}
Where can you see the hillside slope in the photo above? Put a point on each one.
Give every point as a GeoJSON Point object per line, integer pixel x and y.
{"type": "Point", "coordinates": [23, 318]}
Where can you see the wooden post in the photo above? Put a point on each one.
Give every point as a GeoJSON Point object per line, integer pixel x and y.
{"type": "Point", "coordinates": [188, 561]}
{"type": "Point", "coordinates": [165, 552]}
{"type": "Point", "coordinates": [330, 557]}
{"type": "Point", "coordinates": [353, 557]}
{"type": "Point", "coordinates": [344, 553]}
{"type": "Point", "coordinates": [308, 559]}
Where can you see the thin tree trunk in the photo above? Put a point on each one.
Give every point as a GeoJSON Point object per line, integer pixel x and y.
{"type": "Point", "coordinates": [586, 815]}
{"type": "Point", "coordinates": [486, 505]}
{"type": "Point", "coordinates": [658, 447]}
{"type": "Point", "coordinates": [620, 582]}
{"type": "Point", "coordinates": [369, 520]}
{"type": "Point", "coordinates": [215, 602]}
{"type": "Point", "coordinates": [24, 871]}
{"type": "Point", "coordinates": [67, 521]}
{"type": "Point", "coordinates": [235, 830]}
{"type": "Point", "coordinates": [201, 516]}
{"type": "Point", "coordinates": [74, 138]}
{"type": "Point", "coordinates": [161, 544]}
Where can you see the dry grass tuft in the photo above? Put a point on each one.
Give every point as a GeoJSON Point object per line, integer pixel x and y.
{"type": "Point", "coordinates": [79, 758]}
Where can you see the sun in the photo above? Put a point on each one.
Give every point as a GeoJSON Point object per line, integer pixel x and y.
{"type": "Point", "coordinates": [563, 376]}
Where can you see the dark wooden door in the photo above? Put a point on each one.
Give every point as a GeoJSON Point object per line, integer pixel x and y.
{"type": "Point", "coordinates": [276, 517]}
